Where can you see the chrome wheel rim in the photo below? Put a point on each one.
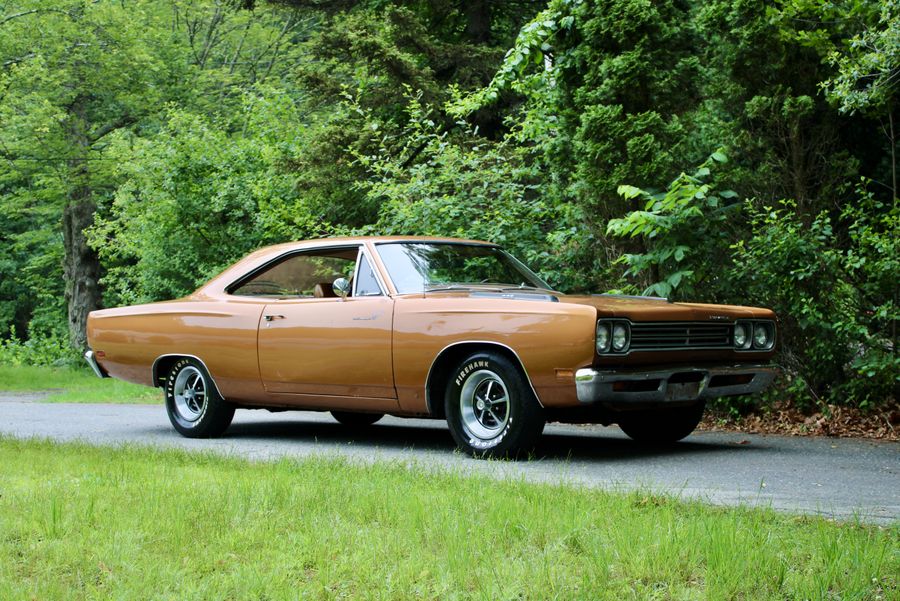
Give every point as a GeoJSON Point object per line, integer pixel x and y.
{"type": "Point", "coordinates": [484, 405]}
{"type": "Point", "coordinates": [190, 394]}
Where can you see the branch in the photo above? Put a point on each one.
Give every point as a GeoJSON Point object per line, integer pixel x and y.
{"type": "Point", "coordinates": [31, 12]}
{"type": "Point", "coordinates": [15, 61]}
{"type": "Point", "coordinates": [122, 121]}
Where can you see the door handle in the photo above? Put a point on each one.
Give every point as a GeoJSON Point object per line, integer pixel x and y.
{"type": "Point", "coordinates": [271, 317]}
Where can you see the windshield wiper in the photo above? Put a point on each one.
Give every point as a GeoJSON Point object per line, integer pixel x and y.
{"type": "Point", "coordinates": [492, 286]}
{"type": "Point", "coordinates": [527, 288]}
{"type": "Point", "coordinates": [449, 287]}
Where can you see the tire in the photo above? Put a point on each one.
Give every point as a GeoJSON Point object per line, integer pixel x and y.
{"type": "Point", "coordinates": [662, 426]}
{"type": "Point", "coordinates": [356, 420]}
{"type": "Point", "coordinates": [491, 409]}
{"type": "Point", "coordinates": [193, 403]}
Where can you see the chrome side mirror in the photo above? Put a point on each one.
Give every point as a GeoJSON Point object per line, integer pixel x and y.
{"type": "Point", "coordinates": [341, 287]}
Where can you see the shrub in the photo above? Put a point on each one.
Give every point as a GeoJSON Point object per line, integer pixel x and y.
{"type": "Point", "coordinates": [47, 349]}
{"type": "Point", "coordinates": [836, 299]}
{"type": "Point", "coordinates": [682, 230]}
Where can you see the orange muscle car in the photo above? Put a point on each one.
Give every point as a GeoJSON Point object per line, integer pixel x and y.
{"type": "Point", "coordinates": [430, 327]}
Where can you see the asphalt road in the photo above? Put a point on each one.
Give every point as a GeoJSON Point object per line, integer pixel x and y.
{"type": "Point", "coordinates": [838, 478]}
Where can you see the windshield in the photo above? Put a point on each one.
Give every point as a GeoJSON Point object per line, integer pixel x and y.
{"type": "Point", "coordinates": [423, 266]}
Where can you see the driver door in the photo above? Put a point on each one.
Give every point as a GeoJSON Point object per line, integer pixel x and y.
{"type": "Point", "coordinates": [319, 349]}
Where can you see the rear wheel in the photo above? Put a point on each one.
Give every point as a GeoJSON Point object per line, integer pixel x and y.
{"type": "Point", "coordinates": [490, 407]}
{"type": "Point", "coordinates": [662, 426]}
{"type": "Point", "coordinates": [194, 406]}
{"type": "Point", "coordinates": [356, 420]}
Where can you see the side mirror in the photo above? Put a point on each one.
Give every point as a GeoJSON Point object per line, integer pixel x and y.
{"type": "Point", "coordinates": [341, 287]}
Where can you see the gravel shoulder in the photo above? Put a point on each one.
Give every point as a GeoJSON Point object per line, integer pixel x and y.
{"type": "Point", "coordinates": [837, 478]}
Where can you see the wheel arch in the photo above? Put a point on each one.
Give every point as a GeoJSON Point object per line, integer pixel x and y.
{"type": "Point", "coordinates": [441, 368]}
{"type": "Point", "coordinates": [163, 364]}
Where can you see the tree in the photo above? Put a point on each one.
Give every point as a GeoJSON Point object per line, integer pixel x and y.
{"type": "Point", "coordinates": [77, 76]}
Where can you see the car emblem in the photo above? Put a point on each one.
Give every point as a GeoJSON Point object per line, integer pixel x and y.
{"type": "Point", "coordinates": [719, 317]}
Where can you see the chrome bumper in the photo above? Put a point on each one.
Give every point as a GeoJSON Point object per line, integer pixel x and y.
{"type": "Point", "coordinates": [92, 361]}
{"type": "Point", "coordinates": [671, 384]}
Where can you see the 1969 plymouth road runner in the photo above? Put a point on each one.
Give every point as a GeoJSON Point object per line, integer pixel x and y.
{"type": "Point", "coordinates": [429, 327]}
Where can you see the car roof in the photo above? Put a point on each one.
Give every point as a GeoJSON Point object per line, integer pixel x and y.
{"type": "Point", "coordinates": [261, 256]}
{"type": "Point", "coordinates": [373, 239]}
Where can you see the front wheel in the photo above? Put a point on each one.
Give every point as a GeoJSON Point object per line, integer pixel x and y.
{"type": "Point", "coordinates": [662, 426]}
{"type": "Point", "coordinates": [194, 406]}
{"type": "Point", "coordinates": [490, 407]}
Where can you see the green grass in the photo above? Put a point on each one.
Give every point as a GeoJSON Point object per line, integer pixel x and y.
{"type": "Point", "coordinates": [79, 522]}
{"type": "Point", "coordinates": [74, 385]}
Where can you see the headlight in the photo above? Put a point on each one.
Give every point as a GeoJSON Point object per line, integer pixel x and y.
{"type": "Point", "coordinates": [620, 337]}
{"type": "Point", "coordinates": [613, 336]}
{"type": "Point", "coordinates": [602, 337]}
{"type": "Point", "coordinates": [754, 335]}
{"type": "Point", "coordinates": [762, 335]}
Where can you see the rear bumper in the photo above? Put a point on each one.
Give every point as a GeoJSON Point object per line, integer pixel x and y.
{"type": "Point", "coordinates": [92, 361]}
{"type": "Point", "coordinates": [675, 384]}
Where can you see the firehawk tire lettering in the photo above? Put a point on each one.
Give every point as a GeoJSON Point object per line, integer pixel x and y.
{"type": "Point", "coordinates": [468, 368]}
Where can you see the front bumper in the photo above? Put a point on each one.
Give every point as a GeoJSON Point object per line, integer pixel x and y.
{"type": "Point", "coordinates": [92, 361]}
{"type": "Point", "coordinates": [675, 384]}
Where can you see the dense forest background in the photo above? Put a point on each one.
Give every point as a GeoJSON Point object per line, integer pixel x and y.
{"type": "Point", "coordinates": [718, 150]}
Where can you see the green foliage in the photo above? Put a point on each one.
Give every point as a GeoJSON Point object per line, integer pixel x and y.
{"type": "Point", "coordinates": [683, 231]}
{"type": "Point", "coordinates": [39, 349]}
{"type": "Point", "coordinates": [522, 68]}
{"type": "Point", "coordinates": [458, 184]}
{"type": "Point", "coordinates": [837, 306]}
{"type": "Point", "coordinates": [873, 262]}
{"type": "Point", "coordinates": [194, 199]}
{"type": "Point", "coordinates": [868, 68]}
{"type": "Point", "coordinates": [612, 78]}
{"type": "Point", "coordinates": [859, 40]}
{"type": "Point", "coordinates": [376, 52]}
{"type": "Point", "coordinates": [83, 86]}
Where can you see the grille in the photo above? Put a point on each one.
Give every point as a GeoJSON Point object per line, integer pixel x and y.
{"type": "Point", "coordinates": [684, 335]}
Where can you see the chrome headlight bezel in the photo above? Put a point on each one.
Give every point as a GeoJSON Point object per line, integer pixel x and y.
{"type": "Point", "coordinates": [612, 337]}
{"type": "Point", "coordinates": [752, 329]}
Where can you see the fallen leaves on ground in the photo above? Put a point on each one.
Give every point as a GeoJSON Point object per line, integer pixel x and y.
{"type": "Point", "coordinates": [832, 420]}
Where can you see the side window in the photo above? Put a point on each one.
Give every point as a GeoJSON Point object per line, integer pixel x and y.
{"type": "Point", "coordinates": [304, 275]}
{"type": "Point", "coordinates": [366, 283]}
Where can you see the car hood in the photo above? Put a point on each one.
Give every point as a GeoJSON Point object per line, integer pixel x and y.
{"type": "Point", "coordinates": [656, 309]}
{"type": "Point", "coordinates": [635, 308]}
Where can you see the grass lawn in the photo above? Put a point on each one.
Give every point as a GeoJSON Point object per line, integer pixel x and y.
{"type": "Point", "coordinates": [79, 522]}
{"type": "Point", "coordinates": [74, 385]}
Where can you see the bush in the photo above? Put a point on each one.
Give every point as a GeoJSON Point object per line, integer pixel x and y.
{"type": "Point", "coordinates": [832, 281]}
{"type": "Point", "coordinates": [46, 349]}
{"type": "Point", "coordinates": [836, 299]}
{"type": "Point", "coordinates": [682, 231]}
{"type": "Point", "coordinates": [457, 183]}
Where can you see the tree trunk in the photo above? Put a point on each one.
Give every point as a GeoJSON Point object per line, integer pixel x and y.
{"type": "Point", "coordinates": [81, 265]}
{"type": "Point", "coordinates": [81, 268]}
{"type": "Point", "coordinates": [478, 21]}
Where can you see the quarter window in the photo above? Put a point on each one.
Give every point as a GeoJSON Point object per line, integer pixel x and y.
{"type": "Point", "coordinates": [366, 282]}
